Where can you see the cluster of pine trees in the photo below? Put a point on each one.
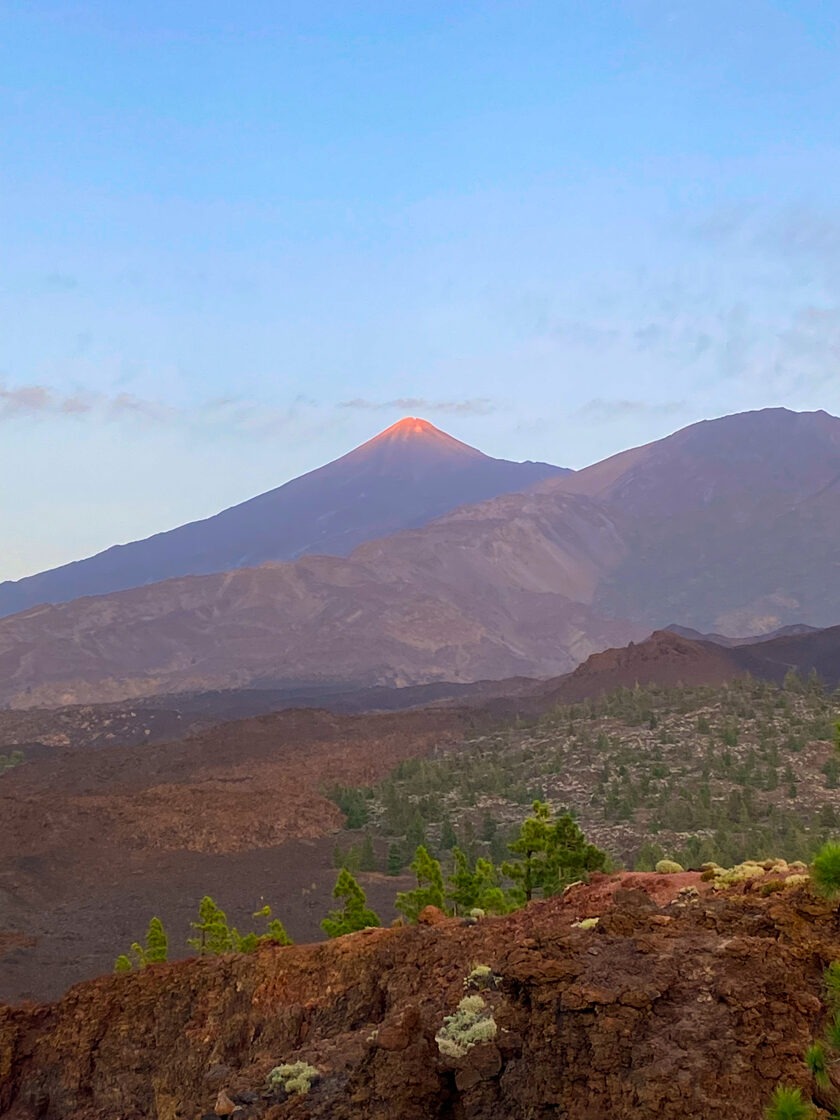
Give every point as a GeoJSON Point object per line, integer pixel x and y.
{"type": "Point", "coordinates": [547, 855]}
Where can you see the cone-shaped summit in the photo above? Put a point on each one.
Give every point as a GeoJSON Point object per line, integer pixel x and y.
{"type": "Point", "coordinates": [402, 478]}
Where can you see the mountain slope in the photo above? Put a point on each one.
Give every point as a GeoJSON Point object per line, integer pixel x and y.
{"type": "Point", "coordinates": [404, 477]}
{"type": "Point", "coordinates": [489, 591]}
{"type": "Point", "coordinates": [731, 525]}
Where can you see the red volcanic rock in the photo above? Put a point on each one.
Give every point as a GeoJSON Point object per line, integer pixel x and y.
{"type": "Point", "coordinates": [695, 1019]}
{"type": "Point", "coordinates": [431, 916]}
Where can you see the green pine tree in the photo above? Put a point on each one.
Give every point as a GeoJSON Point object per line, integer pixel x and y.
{"type": "Point", "coordinates": [429, 891]}
{"type": "Point", "coordinates": [367, 857]}
{"type": "Point", "coordinates": [551, 855]}
{"type": "Point", "coordinates": [448, 839]}
{"type": "Point", "coordinates": [355, 914]}
{"type": "Point", "coordinates": [394, 864]}
{"type": "Point", "coordinates": [157, 943]}
{"type": "Point", "coordinates": [214, 936]}
{"type": "Point", "coordinates": [475, 887]}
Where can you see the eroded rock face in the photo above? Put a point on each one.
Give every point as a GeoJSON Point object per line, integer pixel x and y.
{"type": "Point", "coordinates": [692, 1009]}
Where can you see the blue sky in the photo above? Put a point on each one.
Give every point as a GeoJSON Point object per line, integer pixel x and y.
{"type": "Point", "coordinates": [240, 239]}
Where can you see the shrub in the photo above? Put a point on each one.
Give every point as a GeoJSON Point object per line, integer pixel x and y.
{"type": "Point", "coordinates": [787, 1104]}
{"type": "Point", "coordinates": [668, 867]}
{"type": "Point", "coordinates": [831, 978]}
{"type": "Point", "coordinates": [832, 1031]}
{"type": "Point", "coordinates": [817, 1063]}
{"type": "Point", "coordinates": [294, 1077]}
{"type": "Point", "coordinates": [586, 923]}
{"type": "Point", "coordinates": [481, 977]}
{"type": "Point", "coordinates": [825, 871]}
{"type": "Point", "coordinates": [122, 964]}
{"type": "Point", "coordinates": [471, 1024]}
{"type": "Point", "coordinates": [772, 887]}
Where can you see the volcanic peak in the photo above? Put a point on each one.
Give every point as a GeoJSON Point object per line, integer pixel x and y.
{"type": "Point", "coordinates": [415, 434]}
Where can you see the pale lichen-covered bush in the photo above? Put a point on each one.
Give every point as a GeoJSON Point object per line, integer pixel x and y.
{"type": "Point", "coordinates": [294, 1077]}
{"type": "Point", "coordinates": [480, 977]}
{"type": "Point", "coordinates": [471, 1024]}
{"type": "Point", "coordinates": [669, 867]}
{"type": "Point", "coordinates": [586, 923]}
{"type": "Point", "coordinates": [749, 869]}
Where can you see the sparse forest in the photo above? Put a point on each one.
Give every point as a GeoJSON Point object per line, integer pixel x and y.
{"type": "Point", "coordinates": [697, 774]}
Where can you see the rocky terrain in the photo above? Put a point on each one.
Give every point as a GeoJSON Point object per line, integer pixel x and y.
{"type": "Point", "coordinates": [680, 1003]}
{"type": "Point", "coordinates": [97, 837]}
{"type": "Point", "coordinates": [93, 841]}
{"type": "Point", "coordinates": [729, 526]}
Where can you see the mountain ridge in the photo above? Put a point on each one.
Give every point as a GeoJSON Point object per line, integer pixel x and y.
{"type": "Point", "coordinates": [403, 477]}
{"type": "Point", "coordinates": [525, 584]}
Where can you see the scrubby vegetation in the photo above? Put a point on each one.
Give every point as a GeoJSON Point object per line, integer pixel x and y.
{"type": "Point", "coordinates": [471, 1024]}
{"type": "Point", "coordinates": [154, 951]}
{"type": "Point", "coordinates": [547, 854]}
{"type": "Point", "coordinates": [294, 1077]}
{"type": "Point", "coordinates": [692, 774]}
{"type": "Point", "coordinates": [788, 1104]}
{"type": "Point", "coordinates": [213, 936]}
{"type": "Point", "coordinates": [10, 761]}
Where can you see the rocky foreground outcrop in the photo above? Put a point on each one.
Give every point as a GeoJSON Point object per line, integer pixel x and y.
{"type": "Point", "coordinates": [680, 1002]}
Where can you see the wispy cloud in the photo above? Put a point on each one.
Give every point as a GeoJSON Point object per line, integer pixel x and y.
{"type": "Point", "coordinates": [255, 418]}
{"type": "Point", "coordinates": [471, 406]}
{"type": "Point", "coordinates": [600, 411]}
{"type": "Point", "coordinates": [22, 401]}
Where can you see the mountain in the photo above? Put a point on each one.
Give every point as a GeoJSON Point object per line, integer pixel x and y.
{"type": "Point", "coordinates": [731, 525]}
{"type": "Point", "coordinates": [794, 630]}
{"type": "Point", "coordinates": [492, 590]}
{"type": "Point", "coordinates": [404, 477]}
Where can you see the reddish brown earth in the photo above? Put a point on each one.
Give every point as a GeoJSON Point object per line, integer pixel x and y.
{"type": "Point", "coordinates": [93, 842]}
{"type": "Point", "coordinates": [671, 1009]}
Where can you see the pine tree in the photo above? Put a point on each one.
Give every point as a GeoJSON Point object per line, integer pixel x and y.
{"type": "Point", "coordinates": [157, 943]}
{"type": "Point", "coordinates": [415, 836]}
{"type": "Point", "coordinates": [489, 828]}
{"type": "Point", "coordinates": [367, 856]}
{"type": "Point", "coordinates": [429, 891]}
{"type": "Point", "coordinates": [213, 934]}
{"type": "Point", "coordinates": [476, 887]}
{"type": "Point", "coordinates": [448, 839]}
{"type": "Point", "coordinates": [122, 963]}
{"type": "Point", "coordinates": [277, 933]}
{"type": "Point", "coordinates": [355, 914]}
{"type": "Point", "coordinates": [530, 845]}
{"type": "Point", "coordinates": [394, 863]}
{"type": "Point", "coordinates": [552, 854]}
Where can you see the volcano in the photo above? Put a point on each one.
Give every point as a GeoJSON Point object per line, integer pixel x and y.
{"type": "Point", "coordinates": [402, 478]}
